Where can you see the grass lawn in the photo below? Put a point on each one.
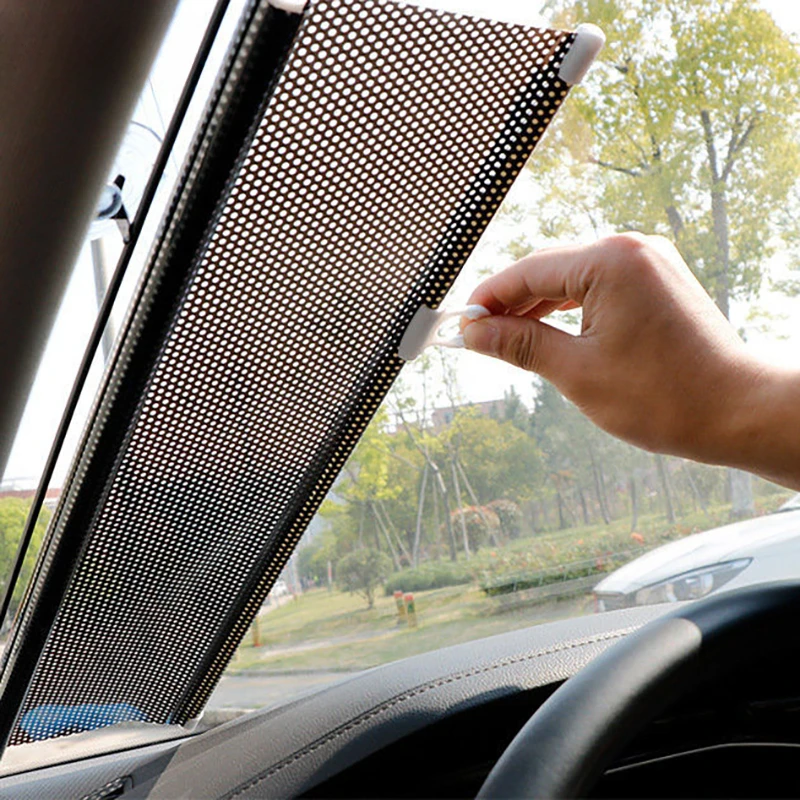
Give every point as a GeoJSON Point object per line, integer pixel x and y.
{"type": "Point", "coordinates": [330, 630]}
{"type": "Point", "coordinates": [324, 630]}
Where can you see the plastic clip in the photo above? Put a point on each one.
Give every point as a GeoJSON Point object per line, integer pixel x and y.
{"type": "Point", "coordinates": [589, 41]}
{"type": "Point", "coordinates": [423, 330]}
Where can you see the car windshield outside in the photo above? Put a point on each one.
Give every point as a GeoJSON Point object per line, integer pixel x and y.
{"type": "Point", "coordinates": [479, 500]}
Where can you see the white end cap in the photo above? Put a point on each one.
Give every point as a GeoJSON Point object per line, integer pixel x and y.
{"type": "Point", "coordinates": [589, 41]}
{"type": "Point", "coordinates": [423, 330]}
{"type": "Point", "coordinates": [289, 6]}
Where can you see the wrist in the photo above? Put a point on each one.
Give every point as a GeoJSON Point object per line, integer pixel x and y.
{"type": "Point", "coordinates": [761, 432]}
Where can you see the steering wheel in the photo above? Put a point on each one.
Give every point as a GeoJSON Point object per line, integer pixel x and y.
{"type": "Point", "coordinates": [575, 735]}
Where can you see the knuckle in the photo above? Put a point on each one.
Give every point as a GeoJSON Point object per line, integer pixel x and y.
{"type": "Point", "coordinates": [626, 243]}
{"type": "Point", "coordinates": [664, 247]}
{"type": "Point", "coordinates": [631, 253]}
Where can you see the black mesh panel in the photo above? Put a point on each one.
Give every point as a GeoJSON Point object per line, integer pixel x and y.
{"type": "Point", "coordinates": [258, 350]}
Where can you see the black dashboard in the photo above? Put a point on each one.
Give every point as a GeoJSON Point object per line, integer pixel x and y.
{"type": "Point", "coordinates": [740, 738]}
{"type": "Point", "coordinates": [434, 725]}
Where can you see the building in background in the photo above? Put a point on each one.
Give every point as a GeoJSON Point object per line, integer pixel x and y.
{"type": "Point", "coordinates": [50, 499]}
{"type": "Point", "coordinates": [442, 417]}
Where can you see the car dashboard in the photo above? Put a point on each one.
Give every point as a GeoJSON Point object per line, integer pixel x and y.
{"type": "Point", "coordinates": [434, 725]}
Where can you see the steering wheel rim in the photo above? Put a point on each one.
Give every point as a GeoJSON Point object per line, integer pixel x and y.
{"type": "Point", "coordinates": [576, 734]}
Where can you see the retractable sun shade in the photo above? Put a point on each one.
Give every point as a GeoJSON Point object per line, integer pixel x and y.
{"type": "Point", "coordinates": [348, 163]}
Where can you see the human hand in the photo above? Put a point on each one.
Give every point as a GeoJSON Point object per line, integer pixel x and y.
{"type": "Point", "coordinates": [656, 363]}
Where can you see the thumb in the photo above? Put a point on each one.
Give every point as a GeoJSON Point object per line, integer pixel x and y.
{"type": "Point", "coordinates": [526, 343]}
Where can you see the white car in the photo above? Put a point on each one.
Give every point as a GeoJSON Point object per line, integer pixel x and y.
{"type": "Point", "coordinates": [280, 589]}
{"type": "Point", "coordinates": [741, 554]}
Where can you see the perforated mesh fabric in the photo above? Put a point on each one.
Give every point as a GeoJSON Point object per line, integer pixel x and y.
{"type": "Point", "coordinates": [387, 145]}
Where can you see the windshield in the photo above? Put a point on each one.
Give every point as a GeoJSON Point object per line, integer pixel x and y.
{"type": "Point", "coordinates": [480, 500]}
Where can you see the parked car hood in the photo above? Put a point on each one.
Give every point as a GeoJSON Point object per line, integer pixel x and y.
{"type": "Point", "coordinates": [738, 540]}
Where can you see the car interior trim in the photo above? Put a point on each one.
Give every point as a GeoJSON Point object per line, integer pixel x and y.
{"type": "Point", "coordinates": [114, 284]}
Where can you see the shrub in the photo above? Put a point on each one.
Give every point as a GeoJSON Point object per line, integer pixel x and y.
{"type": "Point", "coordinates": [510, 516]}
{"type": "Point", "coordinates": [435, 575]}
{"type": "Point", "coordinates": [518, 583]}
{"type": "Point", "coordinates": [482, 525]}
{"type": "Point", "coordinates": [362, 571]}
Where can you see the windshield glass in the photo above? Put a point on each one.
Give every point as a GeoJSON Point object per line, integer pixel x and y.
{"type": "Point", "coordinates": [480, 500]}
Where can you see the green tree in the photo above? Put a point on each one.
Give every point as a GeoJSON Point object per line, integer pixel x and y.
{"type": "Point", "coordinates": [687, 128]}
{"type": "Point", "coordinates": [514, 410]}
{"type": "Point", "coordinates": [499, 459]}
{"type": "Point", "coordinates": [362, 571]}
{"type": "Point", "coordinates": [509, 516]}
{"type": "Point", "coordinates": [574, 462]}
{"type": "Point", "coordinates": [482, 525]}
{"type": "Point", "coordinates": [370, 488]}
{"type": "Point", "coordinates": [13, 515]}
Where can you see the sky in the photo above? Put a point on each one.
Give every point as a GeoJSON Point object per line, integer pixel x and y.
{"type": "Point", "coordinates": [479, 378]}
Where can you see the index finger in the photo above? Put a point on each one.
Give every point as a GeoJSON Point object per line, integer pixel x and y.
{"type": "Point", "coordinates": [557, 274]}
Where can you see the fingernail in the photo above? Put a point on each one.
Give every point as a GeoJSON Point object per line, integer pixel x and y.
{"type": "Point", "coordinates": [474, 312]}
{"type": "Point", "coordinates": [482, 337]}
{"type": "Point", "coordinates": [457, 341]}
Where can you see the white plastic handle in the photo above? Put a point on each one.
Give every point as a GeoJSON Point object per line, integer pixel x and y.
{"type": "Point", "coordinates": [589, 41]}
{"type": "Point", "coordinates": [423, 330]}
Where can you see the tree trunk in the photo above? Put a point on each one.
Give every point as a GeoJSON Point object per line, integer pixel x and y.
{"type": "Point", "coordinates": [476, 502]}
{"type": "Point", "coordinates": [537, 515]}
{"type": "Point", "coordinates": [584, 508]}
{"type": "Point", "coordinates": [448, 521]}
{"type": "Point", "coordinates": [423, 485]}
{"type": "Point", "coordinates": [461, 515]}
{"type": "Point", "coordinates": [634, 504]}
{"type": "Point", "coordinates": [571, 506]}
{"type": "Point", "coordinates": [662, 476]}
{"type": "Point", "coordinates": [675, 497]}
{"type": "Point", "coordinates": [386, 534]}
{"type": "Point", "coordinates": [741, 489]}
{"type": "Point", "coordinates": [606, 504]}
{"type": "Point", "coordinates": [719, 217]}
{"type": "Point", "coordinates": [377, 537]}
{"type": "Point", "coordinates": [390, 526]}
{"type": "Point", "coordinates": [562, 523]}
{"type": "Point", "coordinates": [740, 483]}
{"type": "Point", "coordinates": [361, 525]}
{"type": "Point", "coordinates": [437, 524]}
{"type": "Point", "coordinates": [599, 489]}
{"type": "Point", "coordinates": [696, 490]}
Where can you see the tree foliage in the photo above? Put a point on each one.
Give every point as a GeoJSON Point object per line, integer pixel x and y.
{"type": "Point", "coordinates": [482, 524]}
{"type": "Point", "coordinates": [687, 128]}
{"type": "Point", "coordinates": [548, 470]}
{"type": "Point", "coordinates": [509, 516]}
{"type": "Point", "coordinates": [13, 515]}
{"type": "Point", "coordinates": [362, 572]}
